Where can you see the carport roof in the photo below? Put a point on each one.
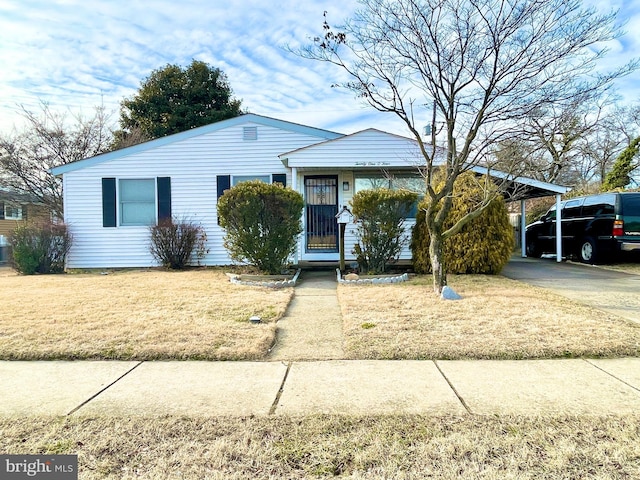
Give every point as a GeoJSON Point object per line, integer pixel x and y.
{"type": "Point", "coordinates": [523, 188]}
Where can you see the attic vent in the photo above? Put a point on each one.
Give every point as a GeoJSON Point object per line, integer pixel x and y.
{"type": "Point", "coordinates": [250, 133]}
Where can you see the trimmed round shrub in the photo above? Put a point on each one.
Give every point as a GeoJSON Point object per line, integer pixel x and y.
{"type": "Point", "coordinates": [380, 232]}
{"type": "Point", "coordinates": [484, 245]}
{"type": "Point", "coordinates": [262, 223]}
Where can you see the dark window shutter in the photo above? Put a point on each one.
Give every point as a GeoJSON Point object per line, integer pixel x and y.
{"type": "Point", "coordinates": [1, 211]}
{"type": "Point", "coordinates": [108, 202]}
{"type": "Point", "coordinates": [224, 183]}
{"type": "Point", "coordinates": [279, 178]}
{"type": "Point", "coordinates": [24, 212]}
{"type": "Point", "coordinates": [164, 198]}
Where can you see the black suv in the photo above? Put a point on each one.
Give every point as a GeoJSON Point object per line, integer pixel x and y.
{"type": "Point", "coordinates": [594, 228]}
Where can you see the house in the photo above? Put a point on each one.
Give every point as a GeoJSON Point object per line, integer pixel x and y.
{"type": "Point", "coordinates": [14, 209]}
{"type": "Point", "coordinates": [111, 199]}
{"type": "Point", "coordinates": [18, 207]}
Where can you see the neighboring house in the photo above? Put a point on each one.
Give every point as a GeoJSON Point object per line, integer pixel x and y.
{"type": "Point", "coordinates": [16, 208]}
{"type": "Point", "coordinates": [111, 199]}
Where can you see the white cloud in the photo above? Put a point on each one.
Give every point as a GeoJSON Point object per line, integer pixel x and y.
{"type": "Point", "coordinates": [78, 54]}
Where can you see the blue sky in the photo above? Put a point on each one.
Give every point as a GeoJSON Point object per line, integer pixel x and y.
{"type": "Point", "coordinates": [76, 54]}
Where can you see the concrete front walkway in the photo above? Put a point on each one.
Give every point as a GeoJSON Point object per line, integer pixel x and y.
{"type": "Point", "coordinates": [311, 328]}
{"type": "Point", "coordinates": [485, 387]}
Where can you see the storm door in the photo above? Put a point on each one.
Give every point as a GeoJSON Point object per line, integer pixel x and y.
{"type": "Point", "coordinates": [321, 197]}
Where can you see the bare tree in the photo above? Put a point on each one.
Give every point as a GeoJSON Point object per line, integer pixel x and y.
{"type": "Point", "coordinates": [627, 120]}
{"type": "Point", "coordinates": [486, 65]}
{"type": "Point", "coordinates": [557, 135]}
{"type": "Point", "coordinates": [599, 150]}
{"type": "Point", "coordinates": [615, 131]}
{"type": "Point", "coordinates": [49, 140]}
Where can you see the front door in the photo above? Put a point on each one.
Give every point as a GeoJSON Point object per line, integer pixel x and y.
{"type": "Point", "coordinates": [321, 197]}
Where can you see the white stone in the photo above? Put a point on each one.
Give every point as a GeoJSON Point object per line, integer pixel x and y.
{"type": "Point", "coordinates": [449, 294]}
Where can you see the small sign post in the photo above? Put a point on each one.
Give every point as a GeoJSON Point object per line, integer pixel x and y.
{"type": "Point", "coordinates": [343, 217]}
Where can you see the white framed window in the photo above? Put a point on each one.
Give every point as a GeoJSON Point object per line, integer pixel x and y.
{"type": "Point", "coordinates": [12, 212]}
{"type": "Point", "coordinates": [137, 201]}
{"type": "Point", "coordinates": [413, 183]}
{"type": "Point", "coordinates": [236, 179]}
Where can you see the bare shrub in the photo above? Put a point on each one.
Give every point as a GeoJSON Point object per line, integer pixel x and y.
{"type": "Point", "coordinates": [175, 243]}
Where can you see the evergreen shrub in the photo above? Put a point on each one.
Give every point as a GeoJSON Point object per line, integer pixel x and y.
{"type": "Point", "coordinates": [380, 233]}
{"type": "Point", "coordinates": [262, 223]}
{"type": "Point", "coordinates": [484, 245]}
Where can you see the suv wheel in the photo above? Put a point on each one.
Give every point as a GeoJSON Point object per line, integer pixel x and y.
{"type": "Point", "coordinates": [588, 250]}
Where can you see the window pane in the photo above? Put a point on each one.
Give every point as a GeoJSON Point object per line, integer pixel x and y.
{"type": "Point", "coordinates": [369, 183]}
{"type": "Point", "coordinates": [247, 178]}
{"type": "Point", "coordinates": [137, 190]}
{"type": "Point", "coordinates": [137, 202]}
{"type": "Point", "coordinates": [137, 213]}
{"type": "Point", "coordinates": [413, 184]}
{"type": "Point", "coordinates": [630, 204]}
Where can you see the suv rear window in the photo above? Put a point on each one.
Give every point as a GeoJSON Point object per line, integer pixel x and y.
{"type": "Point", "coordinates": [631, 204]}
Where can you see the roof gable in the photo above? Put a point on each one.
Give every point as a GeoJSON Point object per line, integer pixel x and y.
{"type": "Point", "coordinates": [364, 149]}
{"type": "Point", "coordinates": [368, 135]}
{"type": "Point", "coordinates": [194, 132]}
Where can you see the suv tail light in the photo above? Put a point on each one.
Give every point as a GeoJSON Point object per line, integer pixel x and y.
{"type": "Point", "coordinates": [618, 228]}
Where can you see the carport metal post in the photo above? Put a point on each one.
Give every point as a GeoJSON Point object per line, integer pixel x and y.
{"type": "Point", "coordinates": [523, 229]}
{"type": "Point", "coordinates": [558, 229]}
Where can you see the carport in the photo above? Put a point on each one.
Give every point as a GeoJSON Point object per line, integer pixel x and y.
{"type": "Point", "coordinates": [522, 189]}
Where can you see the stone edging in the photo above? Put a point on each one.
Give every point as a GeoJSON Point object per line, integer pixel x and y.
{"type": "Point", "coordinates": [236, 280]}
{"type": "Point", "coordinates": [378, 280]}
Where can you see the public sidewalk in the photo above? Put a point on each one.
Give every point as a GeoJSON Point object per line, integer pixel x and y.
{"type": "Point", "coordinates": [527, 387]}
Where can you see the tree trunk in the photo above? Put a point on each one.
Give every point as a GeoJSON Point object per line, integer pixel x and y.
{"type": "Point", "coordinates": [439, 272]}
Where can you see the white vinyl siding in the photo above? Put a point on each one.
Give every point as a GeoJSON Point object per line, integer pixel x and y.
{"type": "Point", "coordinates": [368, 150]}
{"type": "Point", "coordinates": [137, 199]}
{"type": "Point", "coordinates": [193, 165]}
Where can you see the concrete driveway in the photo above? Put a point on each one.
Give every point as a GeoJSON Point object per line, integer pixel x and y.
{"type": "Point", "coordinates": [607, 290]}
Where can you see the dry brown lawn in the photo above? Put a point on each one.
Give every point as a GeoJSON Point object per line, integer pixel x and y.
{"type": "Point", "coordinates": [198, 314]}
{"type": "Point", "coordinates": [143, 315]}
{"type": "Point", "coordinates": [389, 447]}
{"type": "Point", "coordinates": [497, 318]}
{"type": "Point", "coordinates": [623, 267]}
